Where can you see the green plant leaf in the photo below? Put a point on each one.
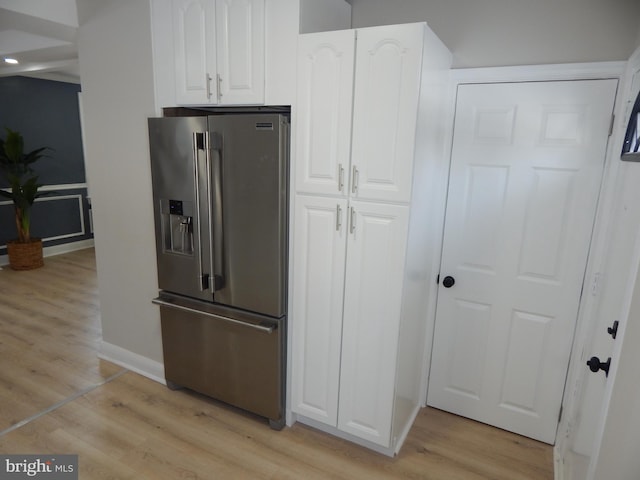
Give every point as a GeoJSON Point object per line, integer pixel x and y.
{"type": "Point", "coordinates": [23, 182]}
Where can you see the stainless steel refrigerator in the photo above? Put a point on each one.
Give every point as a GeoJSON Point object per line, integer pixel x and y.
{"type": "Point", "coordinates": [220, 204]}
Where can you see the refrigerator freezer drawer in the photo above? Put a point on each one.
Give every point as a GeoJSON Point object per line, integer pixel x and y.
{"type": "Point", "coordinates": [235, 360]}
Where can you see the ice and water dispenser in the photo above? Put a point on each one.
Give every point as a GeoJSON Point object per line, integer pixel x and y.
{"type": "Point", "coordinates": [177, 226]}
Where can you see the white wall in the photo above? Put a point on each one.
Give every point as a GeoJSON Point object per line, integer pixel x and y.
{"type": "Point", "coordinates": [517, 32]}
{"type": "Point", "coordinates": [117, 90]}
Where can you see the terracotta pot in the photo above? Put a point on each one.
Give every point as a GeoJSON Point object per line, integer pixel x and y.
{"type": "Point", "coordinates": [25, 256]}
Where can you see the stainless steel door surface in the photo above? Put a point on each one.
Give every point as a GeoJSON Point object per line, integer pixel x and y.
{"type": "Point", "coordinates": [249, 153]}
{"type": "Point", "coordinates": [179, 172]}
{"type": "Point", "coordinates": [236, 358]}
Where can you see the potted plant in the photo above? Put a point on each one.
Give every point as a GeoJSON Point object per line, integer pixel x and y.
{"type": "Point", "coordinates": [25, 252]}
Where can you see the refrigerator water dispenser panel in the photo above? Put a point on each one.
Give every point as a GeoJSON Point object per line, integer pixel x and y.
{"type": "Point", "coordinates": [177, 226]}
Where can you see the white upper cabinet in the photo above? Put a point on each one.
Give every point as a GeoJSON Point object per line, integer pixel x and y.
{"type": "Point", "coordinates": [219, 51]}
{"type": "Point", "coordinates": [375, 87]}
{"type": "Point", "coordinates": [240, 43]}
{"type": "Point", "coordinates": [385, 108]}
{"type": "Point", "coordinates": [325, 90]}
{"type": "Point", "coordinates": [244, 50]}
{"type": "Point", "coordinates": [195, 50]}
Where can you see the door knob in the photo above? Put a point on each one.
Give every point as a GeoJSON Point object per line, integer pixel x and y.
{"type": "Point", "coordinates": [448, 282]}
{"type": "Point", "coordinates": [595, 364]}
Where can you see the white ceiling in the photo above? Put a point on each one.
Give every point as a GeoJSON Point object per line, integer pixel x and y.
{"type": "Point", "coordinates": [42, 36]}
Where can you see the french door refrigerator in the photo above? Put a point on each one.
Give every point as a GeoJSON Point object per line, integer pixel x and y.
{"type": "Point", "coordinates": [220, 205]}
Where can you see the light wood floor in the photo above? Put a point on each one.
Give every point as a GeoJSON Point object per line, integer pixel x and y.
{"type": "Point", "coordinates": [57, 397]}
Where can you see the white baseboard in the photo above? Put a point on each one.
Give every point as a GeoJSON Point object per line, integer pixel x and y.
{"type": "Point", "coordinates": [57, 249]}
{"type": "Point", "coordinates": [132, 361]}
{"type": "Point", "coordinates": [345, 436]}
{"type": "Point", "coordinates": [67, 247]}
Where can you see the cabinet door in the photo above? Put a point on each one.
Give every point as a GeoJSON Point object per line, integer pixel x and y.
{"type": "Point", "coordinates": [387, 87]}
{"type": "Point", "coordinates": [240, 51]}
{"type": "Point", "coordinates": [195, 52]}
{"type": "Point", "coordinates": [316, 318]}
{"type": "Point", "coordinates": [373, 291]}
{"type": "Point", "coordinates": [324, 101]}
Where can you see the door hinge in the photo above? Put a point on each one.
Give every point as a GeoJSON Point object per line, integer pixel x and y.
{"type": "Point", "coordinates": [613, 118]}
{"type": "Point", "coordinates": [560, 413]}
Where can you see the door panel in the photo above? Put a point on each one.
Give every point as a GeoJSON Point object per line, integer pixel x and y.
{"type": "Point", "coordinates": [385, 106]}
{"type": "Point", "coordinates": [195, 50]}
{"type": "Point", "coordinates": [240, 51]}
{"type": "Point", "coordinates": [318, 254]}
{"type": "Point", "coordinates": [182, 233]}
{"type": "Point", "coordinates": [525, 174]}
{"type": "Point", "coordinates": [373, 291]}
{"type": "Point", "coordinates": [249, 201]}
{"type": "Point", "coordinates": [324, 100]}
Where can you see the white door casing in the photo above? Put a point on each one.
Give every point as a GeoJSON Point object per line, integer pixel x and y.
{"type": "Point", "coordinates": [525, 174]}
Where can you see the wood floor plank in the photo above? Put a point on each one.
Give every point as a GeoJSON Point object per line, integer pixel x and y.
{"type": "Point", "coordinates": [134, 428]}
{"type": "Point", "coordinates": [49, 335]}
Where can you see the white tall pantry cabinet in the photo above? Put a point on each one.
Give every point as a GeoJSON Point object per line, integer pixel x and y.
{"type": "Point", "coordinates": [368, 129]}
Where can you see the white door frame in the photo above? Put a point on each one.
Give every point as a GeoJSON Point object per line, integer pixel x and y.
{"type": "Point", "coordinates": [621, 348]}
{"type": "Point", "coordinates": [585, 321]}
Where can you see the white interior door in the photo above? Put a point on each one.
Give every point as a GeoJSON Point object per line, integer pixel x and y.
{"type": "Point", "coordinates": [525, 174]}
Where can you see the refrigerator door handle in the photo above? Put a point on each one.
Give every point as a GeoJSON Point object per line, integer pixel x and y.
{"type": "Point", "coordinates": [214, 142]}
{"type": "Point", "coordinates": [203, 279]}
{"type": "Point", "coordinates": [184, 308]}
{"type": "Point", "coordinates": [207, 149]}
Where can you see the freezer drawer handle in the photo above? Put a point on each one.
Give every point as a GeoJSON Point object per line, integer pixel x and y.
{"type": "Point", "coordinates": [163, 303]}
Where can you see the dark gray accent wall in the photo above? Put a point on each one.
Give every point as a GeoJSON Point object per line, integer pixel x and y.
{"type": "Point", "coordinates": [47, 113]}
